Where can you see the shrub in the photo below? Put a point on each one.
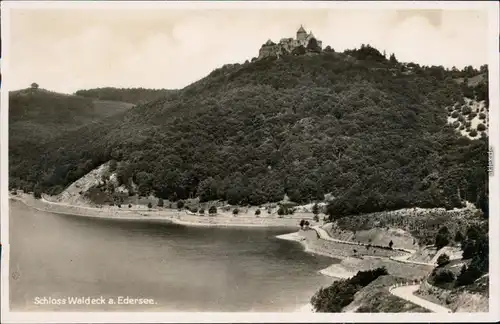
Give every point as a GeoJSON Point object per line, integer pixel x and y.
{"type": "Point", "coordinates": [472, 115]}
{"type": "Point", "coordinates": [150, 205]}
{"type": "Point", "coordinates": [341, 293]}
{"type": "Point", "coordinates": [482, 116]}
{"type": "Point", "coordinates": [194, 210]}
{"type": "Point", "coordinates": [444, 276]}
{"type": "Point", "coordinates": [257, 212]}
{"type": "Point", "coordinates": [129, 205]}
{"type": "Point", "coordinates": [455, 114]}
{"type": "Point", "coordinates": [302, 222]}
{"type": "Point", "coordinates": [316, 218]}
{"type": "Point", "coordinates": [456, 124]}
{"type": "Point", "coordinates": [235, 211]}
{"type": "Point", "coordinates": [443, 259]}
{"type": "Point", "coordinates": [473, 133]}
{"type": "Point", "coordinates": [462, 127]}
{"type": "Point", "coordinates": [468, 124]}
{"type": "Point", "coordinates": [212, 210]}
{"type": "Point", "coordinates": [180, 204]}
{"type": "Point", "coordinates": [160, 202]}
{"type": "Point", "coordinates": [442, 237]}
{"type": "Point", "coordinates": [459, 237]}
{"type": "Point", "coordinates": [201, 211]}
{"type": "Point", "coordinates": [481, 127]}
{"type": "Point", "coordinates": [466, 110]}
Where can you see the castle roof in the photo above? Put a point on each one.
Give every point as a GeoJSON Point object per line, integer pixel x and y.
{"type": "Point", "coordinates": [301, 30]}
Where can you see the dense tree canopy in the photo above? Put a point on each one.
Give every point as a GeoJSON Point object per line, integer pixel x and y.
{"type": "Point", "coordinates": [350, 125]}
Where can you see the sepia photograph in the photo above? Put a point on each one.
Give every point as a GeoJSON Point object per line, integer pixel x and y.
{"type": "Point", "coordinates": [294, 159]}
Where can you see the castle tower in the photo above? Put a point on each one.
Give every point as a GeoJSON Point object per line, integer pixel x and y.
{"type": "Point", "coordinates": [301, 34]}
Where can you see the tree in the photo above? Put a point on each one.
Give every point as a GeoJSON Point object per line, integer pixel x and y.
{"type": "Point", "coordinates": [212, 210]}
{"type": "Point", "coordinates": [315, 209]}
{"type": "Point", "coordinates": [129, 205]}
{"type": "Point", "coordinates": [150, 205]}
{"type": "Point", "coordinates": [391, 244]}
{"type": "Point", "coordinates": [443, 259]}
{"type": "Point", "coordinates": [257, 212]}
{"type": "Point", "coordinates": [112, 165]}
{"type": "Point", "coordinates": [302, 223]}
{"type": "Point", "coordinates": [180, 204]}
{"type": "Point", "coordinates": [442, 237]}
{"type": "Point", "coordinates": [160, 202]}
{"type": "Point", "coordinates": [459, 237]}
{"type": "Point", "coordinates": [34, 86]}
{"type": "Point", "coordinates": [392, 59]}
{"type": "Point", "coordinates": [235, 211]}
{"type": "Point", "coordinates": [313, 46]}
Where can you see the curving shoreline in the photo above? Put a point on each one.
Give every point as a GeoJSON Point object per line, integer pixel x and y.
{"type": "Point", "coordinates": [171, 216]}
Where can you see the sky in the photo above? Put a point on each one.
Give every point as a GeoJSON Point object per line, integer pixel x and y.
{"type": "Point", "coordinates": [66, 49]}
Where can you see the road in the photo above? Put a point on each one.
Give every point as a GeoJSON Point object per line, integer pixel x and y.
{"type": "Point", "coordinates": [407, 293]}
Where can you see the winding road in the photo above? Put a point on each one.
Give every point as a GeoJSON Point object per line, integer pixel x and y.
{"type": "Point", "coordinates": [407, 293]}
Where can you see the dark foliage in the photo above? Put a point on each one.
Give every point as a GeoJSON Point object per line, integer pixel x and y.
{"type": "Point", "coordinates": [475, 247]}
{"type": "Point", "coordinates": [302, 126]}
{"type": "Point", "coordinates": [442, 237]}
{"type": "Point", "coordinates": [341, 293]}
{"type": "Point", "coordinates": [443, 259]}
{"type": "Point", "coordinates": [130, 95]}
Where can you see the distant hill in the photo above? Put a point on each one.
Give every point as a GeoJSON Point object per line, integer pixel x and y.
{"type": "Point", "coordinates": [131, 95]}
{"type": "Point", "coordinates": [370, 131]}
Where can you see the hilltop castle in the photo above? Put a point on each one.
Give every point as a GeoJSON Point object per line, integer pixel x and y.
{"type": "Point", "coordinates": [287, 45]}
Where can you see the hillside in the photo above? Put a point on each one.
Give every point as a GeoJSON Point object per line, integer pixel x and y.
{"type": "Point", "coordinates": [371, 132]}
{"type": "Point", "coordinates": [38, 117]}
{"type": "Point", "coordinates": [131, 95]}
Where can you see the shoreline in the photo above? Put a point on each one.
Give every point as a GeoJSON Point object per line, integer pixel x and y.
{"type": "Point", "coordinates": [171, 216]}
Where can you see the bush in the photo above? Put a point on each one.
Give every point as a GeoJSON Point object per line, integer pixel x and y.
{"type": "Point", "coordinates": [194, 210]}
{"type": "Point", "coordinates": [456, 124]}
{"type": "Point", "coordinates": [481, 127]}
{"type": "Point", "coordinates": [212, 210]}
{"type": "Point", "coordinates": [482, 116]}
{"type": "Point", "coordinates": [129, 205]}
{"type": "Point", "coordinates": [473, 133]}
{"type": "Point", "coordinates": [160, 202]}
{"type": "Point", "coordinates": [341, 293]}
{"type": "Point", "coordinates": [443, 259]}
{"type": "Point", "coordinates": [455, 114]}
{"type": "Point", "coordinates": [180, 204]}
{"type": "Point", "coordinates": [466, 110]}
{"type": "Point", "coordinates": [472, 115]}
{"type": "Point", "coordinates": [316, 218]}
{"type": "Point", "coordinates": [150, 205]}
{"type": "Point", "coordinates": [257, 212]}
{"type": "Point", "coordinates": [442, 237]}
{"type": "Point", "coordinates": [444, 276]}
{"type": "Point", "coordinates": [201, 211]}
{"type": "Point", "coordinates": [235, 211]}
{"type": "Point", "coordinates": [302, 223]}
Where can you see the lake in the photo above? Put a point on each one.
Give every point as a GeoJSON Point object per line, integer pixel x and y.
{"type": "Point", "coordinates": [57, 257]}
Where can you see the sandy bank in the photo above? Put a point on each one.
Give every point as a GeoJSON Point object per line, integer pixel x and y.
{"type": "Point", "coordinates": [165, 215]}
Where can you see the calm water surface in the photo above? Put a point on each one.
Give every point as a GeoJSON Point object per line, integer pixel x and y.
{"type": "Point", "coordinates": [181, 268]}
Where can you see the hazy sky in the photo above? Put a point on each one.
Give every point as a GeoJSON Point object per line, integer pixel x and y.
{"type": "Point", "coordinates": [66, 50]}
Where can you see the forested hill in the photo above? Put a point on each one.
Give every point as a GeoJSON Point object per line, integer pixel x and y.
{"type": "Point", "coordinates": [371, 131]}
{"type": "Point", "coordinates": [132, 95]}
